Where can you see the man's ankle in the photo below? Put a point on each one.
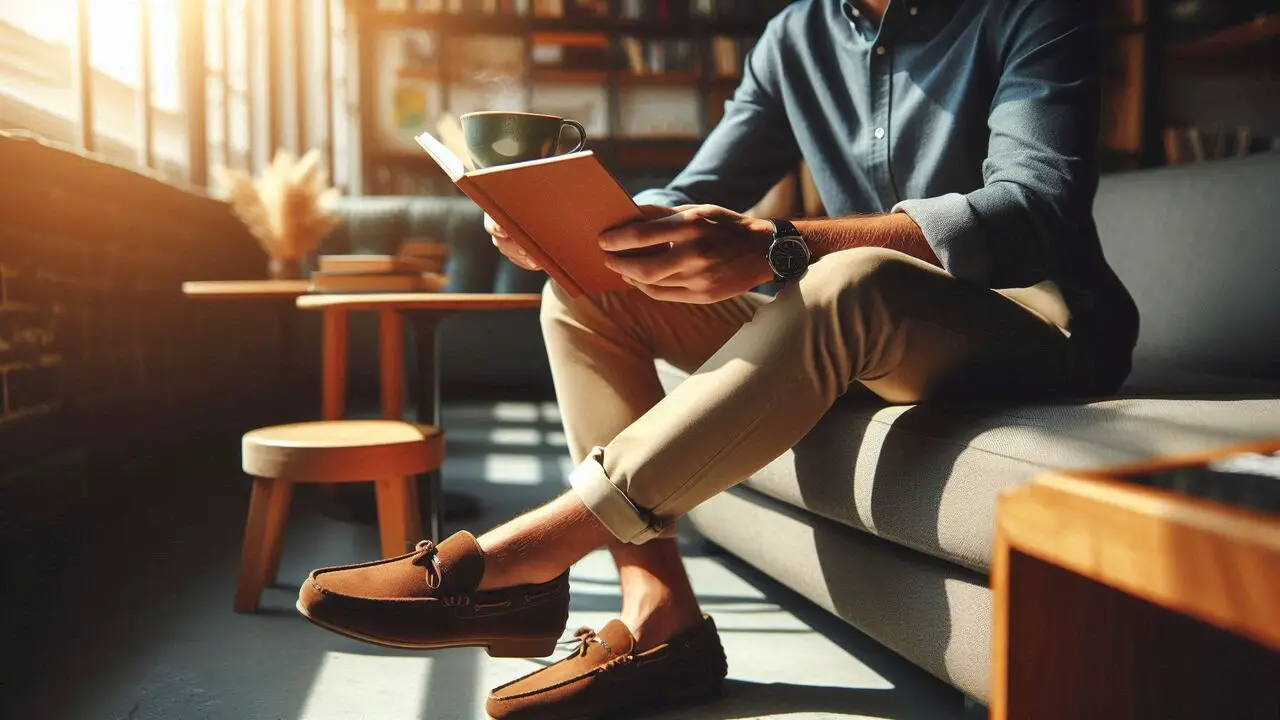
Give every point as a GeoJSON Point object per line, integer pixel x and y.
{"type": "Point", "coordinates": [500, 573]}
{"type": "Point", "coordinates": [657, 615]}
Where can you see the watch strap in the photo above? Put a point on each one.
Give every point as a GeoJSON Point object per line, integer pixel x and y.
{"type": "Point", "coordinates": [784, 228]}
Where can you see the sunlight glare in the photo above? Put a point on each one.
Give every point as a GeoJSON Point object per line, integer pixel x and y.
{"type": "Point", "coordinates": [515, 412]}
{"type": "Point", "coordinates": [114, 38]}
{"type": "Point", "coordinates": [513, 469]}
{"type": "Point", "coordinates": [353, 686]}
{"type": "Point", "coordinates": [514, 436]}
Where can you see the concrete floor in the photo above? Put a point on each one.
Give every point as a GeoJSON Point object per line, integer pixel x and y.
{"type": "Point", "coordinates": [128, 616]}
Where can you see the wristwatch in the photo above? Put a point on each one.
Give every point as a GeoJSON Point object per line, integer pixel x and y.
{"type": "Point", "coordinates": [789, 256]}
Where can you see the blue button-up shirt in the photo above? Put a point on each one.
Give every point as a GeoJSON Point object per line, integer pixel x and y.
{"type": "Point", "coordinates": [977, 118]}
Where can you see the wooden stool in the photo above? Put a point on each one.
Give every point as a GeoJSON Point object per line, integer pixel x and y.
{"type": "Point", "coordinates": [387, 452]}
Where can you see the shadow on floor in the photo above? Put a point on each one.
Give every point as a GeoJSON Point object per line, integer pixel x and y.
{"type": "Point", "coordinates": [124, 612]}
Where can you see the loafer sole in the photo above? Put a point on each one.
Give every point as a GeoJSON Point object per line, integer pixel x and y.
{"type": "Point", "coordinates": [668, 701]}
{"type": "Point", "coordinates": [498, 647]}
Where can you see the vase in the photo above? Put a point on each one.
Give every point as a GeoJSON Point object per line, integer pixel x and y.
{"type": "Point", "coordinates": [284, 268]}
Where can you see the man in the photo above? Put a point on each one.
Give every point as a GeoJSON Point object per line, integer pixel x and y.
{"type": "Point", "coordinates": [954, 144]}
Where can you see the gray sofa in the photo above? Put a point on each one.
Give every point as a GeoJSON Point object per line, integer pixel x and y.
{"type": "Point", "coordinates": [490, 354]}
{"type": "Point", "coordinates": [884, 515]}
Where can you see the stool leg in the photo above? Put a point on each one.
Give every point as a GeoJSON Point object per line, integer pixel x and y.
{"type": "Point", "coordinates": [435, 504]}
{"type": "Point", "coordinates": [249, 584]}
{"type": "Point", "coordinates": [412, 511]}
{"type": "Point", "coordinates": [399, 523]}
{"type": "Point", "coordinates": [277, 516]}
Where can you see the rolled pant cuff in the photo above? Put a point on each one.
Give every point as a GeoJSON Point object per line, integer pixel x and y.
{"type": "Point", "coordinates": [610, 505]}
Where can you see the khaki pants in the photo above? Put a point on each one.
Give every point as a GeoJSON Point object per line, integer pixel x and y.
{"type": "Point", "coordinates": [765, 371]}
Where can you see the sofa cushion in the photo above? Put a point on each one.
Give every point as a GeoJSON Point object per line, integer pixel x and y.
{"type": "Point", "coordinates": [1196, 247]}
{"type": "Point", "coordinates": [1164, 380]}
{"type": "Point", "coordinates": [927, 476]}
{"type": "Point", "coordinates": [933, 613]}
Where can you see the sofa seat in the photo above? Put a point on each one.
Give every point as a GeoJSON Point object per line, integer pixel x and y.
{"type": "Point", "coordinates": [927, 476]}
{"type": "Point", "coordinates": [883, 515]}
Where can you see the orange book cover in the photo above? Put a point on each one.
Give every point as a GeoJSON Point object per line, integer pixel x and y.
{"type": "Point", "coordinates": [553, 208]}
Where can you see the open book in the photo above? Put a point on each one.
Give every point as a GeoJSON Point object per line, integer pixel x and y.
{"type": "Point", "coordinates": [553, 208]}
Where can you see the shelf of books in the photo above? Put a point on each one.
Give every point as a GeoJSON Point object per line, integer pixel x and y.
{"type": "Point", "coordinates": [648, 79]}
{"type": "Point", "coordinates": [1124, 69]}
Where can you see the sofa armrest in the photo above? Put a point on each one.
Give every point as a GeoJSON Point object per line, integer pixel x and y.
{"type": "Point", "coordinates": [380, 224]}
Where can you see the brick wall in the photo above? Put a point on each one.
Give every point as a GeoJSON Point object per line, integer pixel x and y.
{"type": "Point", "coordinates": [105, 369]}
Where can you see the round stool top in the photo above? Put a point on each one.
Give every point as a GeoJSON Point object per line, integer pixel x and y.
{"type": "Point", "coordinates": [342, 450]}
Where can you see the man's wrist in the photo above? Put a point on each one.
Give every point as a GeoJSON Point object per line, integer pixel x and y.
{"type": "Point", "coordinates": [761, 237]}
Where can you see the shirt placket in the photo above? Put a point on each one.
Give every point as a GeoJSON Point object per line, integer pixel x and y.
{"type": "Point", "coordinates": [879, 129]}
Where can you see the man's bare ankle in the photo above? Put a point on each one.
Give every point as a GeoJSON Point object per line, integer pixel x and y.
{"type": "Point", "coordinates": [659, 616]}
{"type": "Point", "coordinates": [505, 577]}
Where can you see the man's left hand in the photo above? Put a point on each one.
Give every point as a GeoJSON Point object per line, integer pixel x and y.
{"type": "Point", "coordinates": [699, 253]}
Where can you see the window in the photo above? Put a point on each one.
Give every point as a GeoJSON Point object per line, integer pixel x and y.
{"type": "Point", "coordinates": [237, 62]}
{"type": "Point", "coordinates": [143, 55]}
{"type": "Point", "coordinates": [216, 86]}
{"type": "Point", "coordinates": [344, 108]}
{"type": "Point", "coordinates": [35, 68]}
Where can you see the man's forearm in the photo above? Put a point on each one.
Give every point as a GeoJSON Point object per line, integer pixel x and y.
{"type": "Point", "coordinates": [895, 231]}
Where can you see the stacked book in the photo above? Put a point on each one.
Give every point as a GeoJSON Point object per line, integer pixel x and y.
{"type": "Point", "coordinates": [377, 273]}
{"type": "Point", "coordinates": [569, 51]}
{"type": "Point", "coordinates": [656, 57]}
{"type": "Point", "coordinates": [457, 7]}
{"type": "Point", "coordinates": [727, 54]}
{"type": "Point", "coordinates": [1187, 144]}
{"type": "Point", "coordinates": [598, 9]}
{"type": "Point", "coordinates": [661, 10]}
{"type": "Point", "coordinates": [735, 9]}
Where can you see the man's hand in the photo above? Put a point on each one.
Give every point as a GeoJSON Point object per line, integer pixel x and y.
{"type": "Point", "coordinates": [506, 246]}
{"type": "Point", "coordinates": [692, 253]}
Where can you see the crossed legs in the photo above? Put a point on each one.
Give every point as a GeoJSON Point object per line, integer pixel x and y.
{"type": "Point", "coordinates": [602, 350]}
{"type": "Point", "coordinates": [764, 373]}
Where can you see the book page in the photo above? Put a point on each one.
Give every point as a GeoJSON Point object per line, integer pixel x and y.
{"type": "Point", "coordinates": [444, 157]}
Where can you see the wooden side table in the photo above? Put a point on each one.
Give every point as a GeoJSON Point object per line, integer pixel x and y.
{"type": "Point", "coordinates": [1149, 591]}
{"type": "Point", "coordinates": [427, 310]}
{"type": "Point", "coordinates": [245, 289]}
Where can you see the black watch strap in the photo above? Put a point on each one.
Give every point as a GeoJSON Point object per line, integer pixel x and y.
{"type": "Point", "coordinates": [784, 228]}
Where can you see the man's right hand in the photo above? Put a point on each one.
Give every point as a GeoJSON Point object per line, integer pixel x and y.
{"type": "Point", "coordinates": [507, 246]}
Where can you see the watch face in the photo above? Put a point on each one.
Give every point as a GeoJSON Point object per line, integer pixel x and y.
{"type": "Point", "coordinates": [788, 257]}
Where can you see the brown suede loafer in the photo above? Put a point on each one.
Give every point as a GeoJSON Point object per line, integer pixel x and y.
{"type": "Point", "coordinates": [427, 599]}
{"type": "Point", "coordinates": [604, 677]}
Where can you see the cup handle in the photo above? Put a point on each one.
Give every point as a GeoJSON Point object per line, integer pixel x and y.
{"type": "Point", "coordinates": [582, 133]}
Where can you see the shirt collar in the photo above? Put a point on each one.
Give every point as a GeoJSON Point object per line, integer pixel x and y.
{"type": "Point", "coordinates": [919, 18]}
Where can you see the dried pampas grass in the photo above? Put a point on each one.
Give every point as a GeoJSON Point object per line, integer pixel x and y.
{"type": "Point", "coordinates": [286, 208]}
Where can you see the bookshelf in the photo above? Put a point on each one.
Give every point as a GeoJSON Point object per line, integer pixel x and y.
{"type": "Point", "coordinates": [1233, 43]}
{"type": "Point", "coordinates": [599, 67]}
{"type": "Point", "coordinates": [648, 79]}
{"type": "Point", "coordinates": [1129, 127]}
{"type": "Point", "coordinates": [1222, 90]}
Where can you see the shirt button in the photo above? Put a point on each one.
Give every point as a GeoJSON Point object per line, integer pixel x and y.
{"type": "Point", "coordinates": [879, 133]}
{"type": "Point", "coordinates": [880, 50]}
{"type": "Point", "coordinates": [913, 10]}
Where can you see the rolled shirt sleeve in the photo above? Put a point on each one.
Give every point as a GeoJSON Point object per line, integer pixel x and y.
{"type": "Point", "coordinates": [1040, 174]}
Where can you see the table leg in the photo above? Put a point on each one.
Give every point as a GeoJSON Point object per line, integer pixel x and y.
{"type": "Point", "coordinates": [333, 390]}
{"type": "Point", "coordinates": [425, 326]}
{"type": "Point", "coordinates": [391, 371]}
{"type": "Point", "coordinates": [286, 321]}
{"type": "Point", "coordinates": [391, 363]}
